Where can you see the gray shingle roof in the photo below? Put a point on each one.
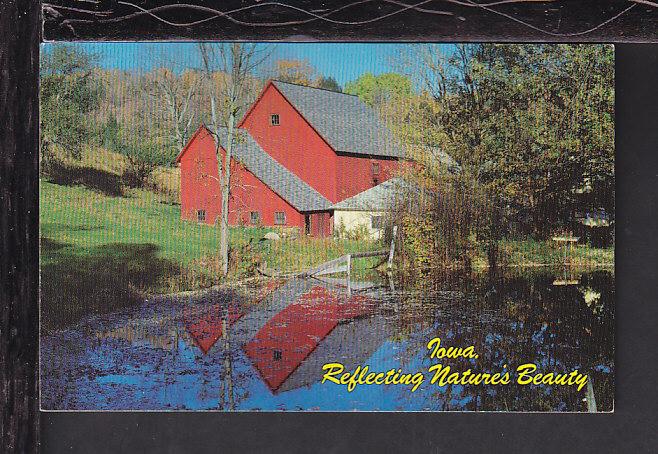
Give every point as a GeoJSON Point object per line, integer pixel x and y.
{"type": "Point", "coordinates": [344, 121]}
{"type": "Point", "coordinates": [442, 157]}
{"type": "Point", "coordinates": [378, 198]}
{"type": "Point", "coordinates": [285, 183]}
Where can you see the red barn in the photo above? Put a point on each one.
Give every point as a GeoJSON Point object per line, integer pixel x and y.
{"type": "Point", "coordinates": [298, 151]}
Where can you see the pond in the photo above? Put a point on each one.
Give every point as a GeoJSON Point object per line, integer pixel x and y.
{"type": "Point", "coordinates": [223, 351]}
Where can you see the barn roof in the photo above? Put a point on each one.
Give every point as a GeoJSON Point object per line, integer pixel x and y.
{"type": "Point", "coordinates": [441, 156]}
{"type": "Point", "coordinates": [344, 121]}
{"type": "Point", "coordinates": [378, 198]}
{"type": "Point", "coordinates": [285, 183]}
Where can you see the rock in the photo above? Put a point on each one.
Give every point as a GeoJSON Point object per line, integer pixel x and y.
{"type": "Point", "coordinates": [272, 236]}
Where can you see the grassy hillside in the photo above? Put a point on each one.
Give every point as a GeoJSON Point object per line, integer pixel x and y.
{"type": "Point", "coordinates": [84, 219]}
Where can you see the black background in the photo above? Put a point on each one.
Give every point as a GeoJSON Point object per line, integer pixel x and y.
{"type": "Point", "coordinates": [631, 428]}
{"type": "Point", "coordinates": [557, 20]}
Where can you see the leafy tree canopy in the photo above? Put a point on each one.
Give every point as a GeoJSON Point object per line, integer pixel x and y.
{"type": "Point", "coordinates": [328, 83]}
{"type": "Point", "coordinates": [374, 90]}
{"type": "Point", "coordinates": [295, 72]}
{"type": "Point", "coordinates": [532, 124]}
{"type": "Point", "coordinates": [69, 92]}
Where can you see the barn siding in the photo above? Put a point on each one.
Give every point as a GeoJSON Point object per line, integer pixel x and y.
{"type": "Point", "coordinates": [321, 224]}
{"type": "Point", "coordinates": [250, 194]}
{"type": "Point", "coordinates": [294, 143]}
{"type": "Point", "coordinates": [199, 184]}
{"type": "Point", "coordinates": [352, 220]}
{"type": "Point", "coordinates": [200, 188]}
{"type": "Point", "coordinates": [354, 174]}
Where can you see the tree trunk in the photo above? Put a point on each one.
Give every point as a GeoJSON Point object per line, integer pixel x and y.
{"type": "Point", "coordinates": [228, 363]}
{"type": "Point", "coordinates": [226, 183]}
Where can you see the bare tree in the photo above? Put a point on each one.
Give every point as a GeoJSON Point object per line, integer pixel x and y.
{"type": "Point", "coordinates": [236, 64]}
{"type": "Point", "coordinates": [176, 92]}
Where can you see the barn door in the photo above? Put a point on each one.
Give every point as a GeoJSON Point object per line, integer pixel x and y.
{"type": "Point", "coordinates": [321, 224]}
{"type": "Point", "coordinates": [307, 224]}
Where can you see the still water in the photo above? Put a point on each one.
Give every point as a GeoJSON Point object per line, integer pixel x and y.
{"type": "Point", "coordinates": [223, 351]}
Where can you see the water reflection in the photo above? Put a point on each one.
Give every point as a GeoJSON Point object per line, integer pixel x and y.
{"type": "Point", "coordinates": [223, 351]}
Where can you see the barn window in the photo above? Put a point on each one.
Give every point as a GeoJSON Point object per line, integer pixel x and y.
{"type": "Point", "coordinates": [377, 222]}
{"type": "Point", "coordinates": [254, 217]}
{"type": "Point", "coordinates": [279, 218]}
{"type": "Point", "coordinates": [201, 215]}
{"type": "Point", "coordinates": [274, 119]}
{"type": "Point", "coordinates": [277, 355]}
{"type": "Point", "coordinates": [375, 168]}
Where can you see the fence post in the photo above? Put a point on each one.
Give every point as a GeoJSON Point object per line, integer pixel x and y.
{"type": "Point", "coordinates": [392, 251]}
{"type": "Point", "coordinates": [589, 397]}
{"type": "Point", "coordinates": [349, 274]}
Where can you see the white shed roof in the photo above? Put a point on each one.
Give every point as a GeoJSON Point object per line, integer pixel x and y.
{"type": "Point", "coordinates": [378, 198]}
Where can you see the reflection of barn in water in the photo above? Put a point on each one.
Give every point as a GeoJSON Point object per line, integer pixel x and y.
{"type": "Point", "coordinates": [147, 358]}
{"type": "Point", "coordinates": [287, 336]}
{"type": "Point", "coordinates": [351, 343]}
{"type": "Point", "coordinates": [207, 327]}
{"type": "Point", "coordinates": [304, 325]}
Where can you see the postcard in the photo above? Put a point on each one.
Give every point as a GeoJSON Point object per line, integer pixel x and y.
{"type": "Point", "coordinates": [278, 226]}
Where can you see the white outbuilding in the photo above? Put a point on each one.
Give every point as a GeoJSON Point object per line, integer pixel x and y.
{"type": "Point", "coordinates": [368, 210]}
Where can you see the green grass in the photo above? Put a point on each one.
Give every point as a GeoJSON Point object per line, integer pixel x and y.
{"type": "Point", "coordinates": [101, 253]}
{"type": "Point", "coordinates": [84, 219]}
{"type": "Point", "coordinates": [292, 255]}
{"type": "Point", "coordinates": [541, 253]}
